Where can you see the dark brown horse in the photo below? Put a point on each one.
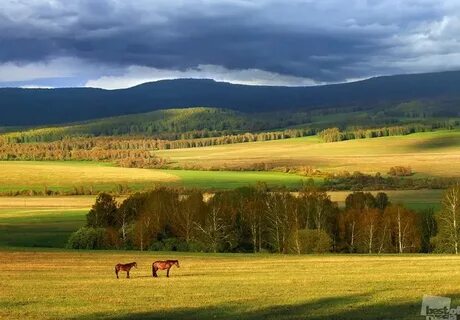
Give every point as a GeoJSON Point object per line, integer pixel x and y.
{"type": "Point", "coordinates": [125, 267]}
{"type": "Point", "coordinates": [163, 265]}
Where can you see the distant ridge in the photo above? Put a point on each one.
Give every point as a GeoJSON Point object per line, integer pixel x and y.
{"type": "Point", "coordinates": [21, 107]}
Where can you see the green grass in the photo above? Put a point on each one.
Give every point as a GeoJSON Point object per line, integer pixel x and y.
{"type": "Point", "coordinates": [41, 222]}
{"type": "Point", "coordinates": [235, 179]}
{"type": "Point", "coordinates": [66, 175]}
{"type": "Point", "coordinates": [40, 230]}
{"type": "Point", "coordinates": [82, 285]}
{"type": "Point", "coordinates": [428, 154]}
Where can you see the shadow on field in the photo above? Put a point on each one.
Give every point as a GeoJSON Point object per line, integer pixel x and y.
{"type": "Point", "coordinates": [437, 143]}
{"type": "Point", "coordinates": [327, 308]}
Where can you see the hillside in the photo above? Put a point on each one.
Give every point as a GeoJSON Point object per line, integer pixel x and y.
{"type": "Point", "coordinates": [201, 122]}
{"type": "Point", "coordinates": [434, 154]}
{"type": "Point", "coordinates": [168, 124]}
{"type": "Point", "coordinates": [23, 107]}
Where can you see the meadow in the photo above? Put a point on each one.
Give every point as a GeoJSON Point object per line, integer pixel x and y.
{"type": "Point", "coordinates": [41, 280]}
{"type": "Point", "coordinates": [66, 175]}
{"type": "Point", "coordinates": [428, 154]}
{"type": "Point", "coordinates": [41, 221]}
{"type": "Point", "coordinates": [44, 284]}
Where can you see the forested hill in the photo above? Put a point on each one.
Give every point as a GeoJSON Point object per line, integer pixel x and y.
{"type": "Point", "coordinates": [52, 106]}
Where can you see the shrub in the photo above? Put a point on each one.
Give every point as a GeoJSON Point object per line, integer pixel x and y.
{"type": "Point", "coordinates": [310, 241]}
{"type": "Point", "coordinates": [87, 238]}
{"type": "Point", "coordinates": [400, 171]}
{"type": "Point", "coordinates": [331, 135]}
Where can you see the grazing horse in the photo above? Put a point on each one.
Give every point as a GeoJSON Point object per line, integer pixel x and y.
{"type": "Point", "coordinates": [163, 265]}
{"type": "Point", "coordinates": [125, 267]}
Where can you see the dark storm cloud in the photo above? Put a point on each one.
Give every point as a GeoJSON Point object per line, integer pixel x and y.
{"type": "Point", "coordinates": [326, 40]}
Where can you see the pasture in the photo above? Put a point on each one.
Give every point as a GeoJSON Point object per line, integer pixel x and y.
{"type": "Point", "coordinates": [46, 284]}
{"type": "Point", "coordinates": [428, 154]}
{"type": "Point", "coordinates": [66, 175]}
{"type": "Point", "coordinates": [41, 221]}
{"type": "Point", "coordinates": [413, 199]}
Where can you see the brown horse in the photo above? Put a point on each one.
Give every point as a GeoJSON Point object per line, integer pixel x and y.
{"type": "Point", "coordinates": [163, 265]}
{"type": "Point", "coordinates": [125, 267]}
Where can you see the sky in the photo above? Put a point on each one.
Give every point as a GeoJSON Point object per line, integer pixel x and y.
{"type": "Point", "coordinates": [117, 43]}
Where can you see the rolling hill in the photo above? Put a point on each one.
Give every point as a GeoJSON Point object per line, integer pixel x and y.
{"type": "Point", "coordinates": [429, 154]}
{"type": "Point", "coordinates": [22, 107]}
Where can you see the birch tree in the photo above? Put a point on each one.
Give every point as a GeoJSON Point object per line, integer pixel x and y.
{"type": "Point", "coordinates": [449, 221]}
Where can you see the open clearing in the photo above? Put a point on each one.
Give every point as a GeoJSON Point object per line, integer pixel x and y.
{"type": "Point", "coordinates": [64, 176]}
{"type": "Point", "coordinates": [429, 154]}
{"type": "Point", "coordinates": [414, 199]}
{"type": "Point", "coordinates": [64, 284]}
{"type": "Point", "coordinates": [41, 221]}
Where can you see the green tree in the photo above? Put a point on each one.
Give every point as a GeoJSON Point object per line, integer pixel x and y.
{"type": "Point", "coordinates": [448, 220]}
{"type": "Point", "coordinates": [103, 212]}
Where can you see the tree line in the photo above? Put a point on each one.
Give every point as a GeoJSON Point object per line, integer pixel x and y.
{"type": "Point", "coordinates": [336, 134]}
{"type": "Point", "coordinates": [253, 219]}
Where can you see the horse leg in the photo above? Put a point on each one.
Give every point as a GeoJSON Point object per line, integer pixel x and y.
{"type": "Point", "coordinates": [154, 272]}
{"type": "Point", "coordinates": [167, 272]}
{"type": "Point", "coordinates": [127, 274]}
{"type": "Point", "coordinates": [116, 272]}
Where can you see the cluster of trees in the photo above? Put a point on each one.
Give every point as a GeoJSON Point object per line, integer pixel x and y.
{"type": "Point", "coordinates": [361, 181]}
{"type": "Point", "coordinates": [256, 220]}
{"type": "Point", "coordinates": [124, 152]}
{"type": "Point", "coordinates": [335, 134]}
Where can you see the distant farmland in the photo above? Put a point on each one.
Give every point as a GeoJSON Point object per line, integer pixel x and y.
{"type": "Point", "coordinates": [428, 154]}
{"type": "Point", "coordinates": [67, 175]}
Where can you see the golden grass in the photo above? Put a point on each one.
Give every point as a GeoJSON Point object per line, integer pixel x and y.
{"type": "Point", "coordinates": [416, 199]}
{"type": "Point", "coordinates": [82, 285]}
{"type": "Point", "coordinates": [66, 174]}
{"type": "Point", "coordinates": [78, 202]}
{"type": "Point", "coordinates": [431, 153]}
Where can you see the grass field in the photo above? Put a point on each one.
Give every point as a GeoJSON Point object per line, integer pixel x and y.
{"type": "Point", "coordinates": [429, 154]}
{"type": "Point", "coordinates": [414, 199]}
{"type": "Point", "coordinates": [64, 176]}
{"type": "Point", "coordinates": [82, 285]}
{"type": "Point", "coordinates": [41, 221]}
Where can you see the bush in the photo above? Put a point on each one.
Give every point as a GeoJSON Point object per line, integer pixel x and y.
{"type": "Point", "coordinates": [400, 171]}
{"type": "Point", "coordinates": [331, 135]}
{"type": "Point", "coordinates": [87, 238]}
{"type": "Point", "coordinates": [311, 241]}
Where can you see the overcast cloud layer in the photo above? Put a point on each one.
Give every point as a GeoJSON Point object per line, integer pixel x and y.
{"type": "Point", "coordinates": [118, 43]}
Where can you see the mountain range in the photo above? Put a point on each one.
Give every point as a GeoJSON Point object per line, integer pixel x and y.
{"type": "Point", "coordinates": [31, 107]}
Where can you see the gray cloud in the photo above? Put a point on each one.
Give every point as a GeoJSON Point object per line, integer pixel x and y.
{"type": "Point", "coordinates": [318, 41]}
